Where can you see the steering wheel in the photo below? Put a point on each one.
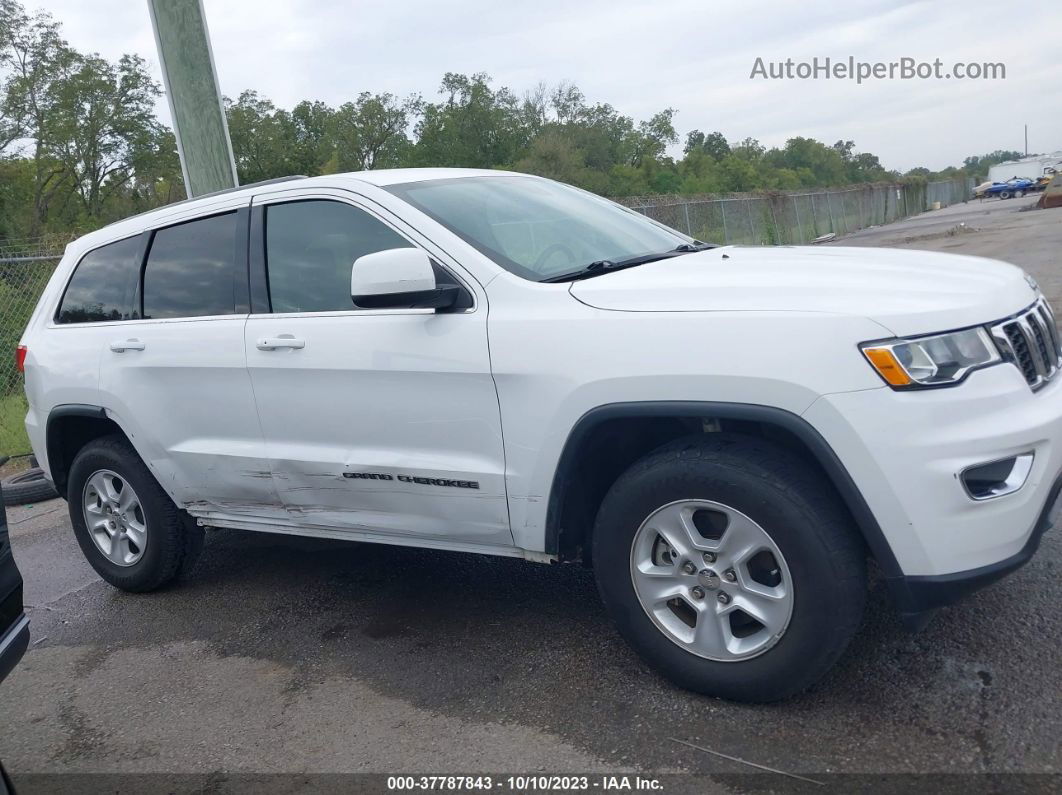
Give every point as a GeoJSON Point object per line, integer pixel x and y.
{"type": "Point", "coordinates": [551, 250]}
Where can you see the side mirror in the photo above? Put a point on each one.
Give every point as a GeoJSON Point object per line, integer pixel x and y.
{"type": "Point", "coordinates": [399, 278]}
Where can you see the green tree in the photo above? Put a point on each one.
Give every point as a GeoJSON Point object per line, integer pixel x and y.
{"type": "Point", "coordinates": [36, 61]}
{"type": "Point", "coordinates": [749, 150]}
{"type": "Point", "coordinates": [311, 122]}
{"type": "Point", "coordinates": [653, 136]}
{"type": "Point", "coordinates": [264, 139]}
{"type": "Point", "coordinates": [554, 155]}
{"type": "Point", "coordinates": [10, 116]}
{"type": "Point", "coordinates": [101, 117]}
{"type": "Point", "coordinates": [474, 126]}
{"type": "Point", "coordinates": [820, 165]}
{"type": "Point", "coordinates": [371, 131]}
{"type": "Point", "coordinates": [713, 144]}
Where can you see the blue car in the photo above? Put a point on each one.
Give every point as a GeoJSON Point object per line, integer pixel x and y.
{"type": "Point", "coordinates": [1016, 187]}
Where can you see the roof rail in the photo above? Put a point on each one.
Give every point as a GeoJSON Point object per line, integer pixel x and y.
{"type": "Point", "coordinates": [243, 187]}
{"type": "Point", "coordinates": [221, 192]}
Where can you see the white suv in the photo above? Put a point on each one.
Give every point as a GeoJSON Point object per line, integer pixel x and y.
{"type": "Point", "coordinates": [491, 362]}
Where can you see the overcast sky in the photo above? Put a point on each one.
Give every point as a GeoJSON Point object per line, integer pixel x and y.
{"type": "Point", "coordinates": [692, 55]}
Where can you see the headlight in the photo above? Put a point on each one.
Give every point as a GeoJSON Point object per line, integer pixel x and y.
{"type": "Point", "coordinates": [937, 360]}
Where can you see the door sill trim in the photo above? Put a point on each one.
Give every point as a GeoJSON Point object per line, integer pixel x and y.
{"type": "Point", "coordinates": [365, 536]}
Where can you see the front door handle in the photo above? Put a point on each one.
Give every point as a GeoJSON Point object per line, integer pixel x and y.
{"type": "Point", "coordinates": [127, 345]}
{"type": "Point", "coordinates": [283, 341]}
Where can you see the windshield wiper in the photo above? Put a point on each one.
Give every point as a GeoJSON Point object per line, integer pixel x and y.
{"type": "Point", "coordinates": [696, 245]}
{"type": "Point", "coordinates": [601, 266]}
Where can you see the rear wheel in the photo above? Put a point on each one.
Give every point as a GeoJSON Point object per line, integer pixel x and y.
{"type": "Point", "coordinates": [126, 525]}
{"type": "Point", "coordinates": [730, 566]}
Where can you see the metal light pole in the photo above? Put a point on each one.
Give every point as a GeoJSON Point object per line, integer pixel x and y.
{"type": "Point", "coordinates": [195, 100]}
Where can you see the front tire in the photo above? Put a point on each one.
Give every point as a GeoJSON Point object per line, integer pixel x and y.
{"type": "Point", "coordinates": [128, 528]}
{"type": "Point", "coordinates": [730, 565]}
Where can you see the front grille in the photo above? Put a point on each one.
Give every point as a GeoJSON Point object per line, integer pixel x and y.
{"type": "Point", "coordinates": [1030, 342]}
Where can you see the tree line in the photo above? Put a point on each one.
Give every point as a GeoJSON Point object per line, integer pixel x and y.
{"type": "Point", "coordinates": [80, 144]}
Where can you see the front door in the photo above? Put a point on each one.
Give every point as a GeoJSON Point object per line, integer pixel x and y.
{"type": "Point", "coordinates": [382, 421]}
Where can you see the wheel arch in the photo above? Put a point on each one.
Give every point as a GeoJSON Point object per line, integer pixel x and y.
{"type": "Point", "coordinates": [565, 540]}
{"type": "Point", "coordinates": [69, 428]}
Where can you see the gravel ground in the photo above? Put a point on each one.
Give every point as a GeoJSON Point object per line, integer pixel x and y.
{"type": "Point", "coordinates": [287, 655]}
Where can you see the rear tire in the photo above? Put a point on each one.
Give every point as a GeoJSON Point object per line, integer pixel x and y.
{"type": "Point", "coordinates": [813, 552]}
{"type": "Point", "coordinates": [128, 528]}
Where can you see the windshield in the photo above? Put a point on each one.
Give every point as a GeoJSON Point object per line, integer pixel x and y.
{"type": "Point", "coordinates": [535, 228]}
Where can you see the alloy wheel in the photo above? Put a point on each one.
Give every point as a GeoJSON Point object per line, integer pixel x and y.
{"type": "Point", "coordinates": [114, 518]}
{"type": "Point", "coordinates": [712, 580]}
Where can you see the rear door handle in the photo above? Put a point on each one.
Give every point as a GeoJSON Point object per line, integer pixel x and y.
{"type": "Point", "coordinates": [127, 345]}
{"type": "Point", "coordinates": [283, 341]}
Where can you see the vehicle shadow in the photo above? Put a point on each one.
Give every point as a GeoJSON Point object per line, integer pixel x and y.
{"type": "Point", "coordinates": [505, 640]}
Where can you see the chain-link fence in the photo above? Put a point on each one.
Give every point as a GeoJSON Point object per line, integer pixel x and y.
{"type": "Point", "coordinates": [25, 267]}
{"type": "Point", "coordinates": [794, 218]}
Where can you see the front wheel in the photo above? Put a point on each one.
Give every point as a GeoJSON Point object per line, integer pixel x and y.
{"type": "Point", "coordinates": [729, 564]}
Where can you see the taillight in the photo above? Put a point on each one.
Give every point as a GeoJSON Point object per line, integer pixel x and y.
{"type": "Point", "coordinates": [20, 358]}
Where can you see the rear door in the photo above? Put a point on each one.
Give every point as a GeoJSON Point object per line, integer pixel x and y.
{"type": "Point", "coordinates": [63, 361]}
{"type": "Point", "coordinates": [375, 420]}
{"type": "Point", "coordinates": [176, 375]}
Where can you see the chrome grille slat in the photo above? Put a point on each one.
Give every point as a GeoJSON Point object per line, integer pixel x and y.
{"type": "Point", "coordinates": [1052, 330]}
{"type": "Point", "coordinates": [1031, 343]}
{"type": "Point", "coordinates": [1043, 342]}
{"type": "Point", "coordinates": [1032, 339]}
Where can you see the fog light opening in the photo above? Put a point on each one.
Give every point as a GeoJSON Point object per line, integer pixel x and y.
{"type": "Point", "coordinates": [997, 478]}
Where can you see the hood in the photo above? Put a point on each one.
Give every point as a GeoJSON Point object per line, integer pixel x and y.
{"type": "Point", "coordinates": [908, 292]}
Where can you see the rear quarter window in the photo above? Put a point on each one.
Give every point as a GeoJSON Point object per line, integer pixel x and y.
{"type": "Point", "coordinates": [191, 269]}
{"type": "Point", "coordinates": [102, 285]}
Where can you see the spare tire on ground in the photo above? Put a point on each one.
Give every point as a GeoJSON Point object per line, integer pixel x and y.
{"type": "Point", "coordinates": [28, 486]}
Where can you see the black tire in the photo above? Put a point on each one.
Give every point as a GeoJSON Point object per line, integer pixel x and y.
{"type": "Point", "coordinates": [26, 487]}
{"type": "Point", "coordinates": [1004, 194]}
{"type": "Point", "coordinates": [1019, 194]}
{"type": "Point", "coordinates": [801, 513]}
{"type": "Point", "coordinates": [174, 541]}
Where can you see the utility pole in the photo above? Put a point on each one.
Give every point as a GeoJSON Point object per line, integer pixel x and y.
{"type": "Point", "coordinates": [1026, 140]}
{"type": "Point", "coordinates": [195, 99]}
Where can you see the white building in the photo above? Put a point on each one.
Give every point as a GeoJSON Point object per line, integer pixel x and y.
{"type": "Point", "coordinates": [1031, 167]}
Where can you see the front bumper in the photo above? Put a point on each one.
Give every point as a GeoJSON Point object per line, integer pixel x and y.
{"type": "Point", "coordinates": [918, 597]}
{"type": "Point", "coordinates": [905, 450]}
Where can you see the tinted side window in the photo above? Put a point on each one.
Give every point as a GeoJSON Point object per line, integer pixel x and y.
{"type": "Point", "coordinates": [310, 247]}
{"type": "Point", "coordinates": [102, 285]}
{"type": "Point", "coordinates": [190, 270]}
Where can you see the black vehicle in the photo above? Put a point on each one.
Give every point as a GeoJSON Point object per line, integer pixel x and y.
{"type": "Point", "coordinates": [14, 626]}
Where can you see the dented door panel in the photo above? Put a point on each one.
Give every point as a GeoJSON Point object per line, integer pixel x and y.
{"type": "Point", "coordinates": [383, 421]}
